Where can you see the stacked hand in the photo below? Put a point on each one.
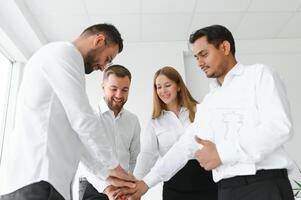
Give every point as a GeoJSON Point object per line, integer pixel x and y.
{"type": "Point", "coordinates": [118, 177]}
{"type": "Point", "coordinates": [126, 193]}
{"type": "Point", "coordinates": [136, 193]}
{"type": "Point", "coordinates": [207, 156]}
{"type": "Point", "coordinates": [112, 192]}
{"type": "Point", "coordinates": [124, 186]}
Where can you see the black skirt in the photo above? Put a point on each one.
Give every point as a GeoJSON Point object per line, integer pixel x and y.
{"type": "Point", "coordinates": [192, 182]}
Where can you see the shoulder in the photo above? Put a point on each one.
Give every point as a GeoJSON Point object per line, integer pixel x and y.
{"type": "Point", "coordinates": [58, 46]}
{"type": "Point", "coordinates": [96, 109]}
{"type": "Point", "coordinates": [260, 72]}
{"type": "Point", "coordinates": [65, 50]}
{"type": "Point", "coordinates": [259, 68]}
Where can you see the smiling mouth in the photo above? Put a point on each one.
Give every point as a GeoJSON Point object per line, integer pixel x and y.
{"type": "Point", "coordinates": [118, 101]}
{"type": "Point", "coordinates": [164, 97]}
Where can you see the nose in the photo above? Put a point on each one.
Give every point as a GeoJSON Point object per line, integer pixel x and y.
{"type": "Point", "coordinates": [164, 90]}
{"type": "Point", "coordinates": [201, 62]}
{"type": "Point", "coordinates": [118, 94]}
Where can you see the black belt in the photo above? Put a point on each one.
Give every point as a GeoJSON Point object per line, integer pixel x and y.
{"type": "Point", "coordinates": [247, 179]}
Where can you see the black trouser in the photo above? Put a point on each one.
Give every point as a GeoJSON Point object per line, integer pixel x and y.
{"type": "Point", "coordinates": [192, 182]}
{"type": "Point", "coordinates": [265, 185]}
{"type": "Point", "coordinates": [90, 193]}
{"type": "Point", "coordinates": [37, 191]}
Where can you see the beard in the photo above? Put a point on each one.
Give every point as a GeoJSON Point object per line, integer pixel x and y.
{"type": "Point", "coordinates": [90, 59]}
{"type": "Point", "coordinates": [212, 75]}
{"type": "Point", "coordinates": [115, 107]}
{"type": "Point", "coordinates": [88, 68]}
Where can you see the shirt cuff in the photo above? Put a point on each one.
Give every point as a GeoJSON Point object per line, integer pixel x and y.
{"type": "Point", "coordinates": [228, 152]}
{"type": "Point", "coordinates": [151, 179]}
{"type": "Point", "coordinates": [104, 171]}
{"type": "Point", "coordinates": [103, 186]}
{"type": "Point", "coordinates": [99, 184]}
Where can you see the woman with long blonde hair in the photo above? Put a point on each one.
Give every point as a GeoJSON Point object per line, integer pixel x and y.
{"type": "Point", "coordinates": [173, 111]}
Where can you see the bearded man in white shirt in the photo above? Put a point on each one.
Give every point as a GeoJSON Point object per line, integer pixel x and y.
{"type": "Point", "coordinates": [55, 123]}
{"type": "Point", "coordinates": [241, 125]}
{"type": "Point", "coordinates": [123, 130]}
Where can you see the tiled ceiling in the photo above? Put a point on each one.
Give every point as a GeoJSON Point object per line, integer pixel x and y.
{"type": "Point", "coordinates": [168, 20]}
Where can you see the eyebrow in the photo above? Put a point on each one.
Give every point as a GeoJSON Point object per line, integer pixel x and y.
{"type": "Point", "coordinates": [168, 82]}
{"type": "Point", "coordinates": [199, 53]}
{"type": "Point", "coordinates": [114, 86]}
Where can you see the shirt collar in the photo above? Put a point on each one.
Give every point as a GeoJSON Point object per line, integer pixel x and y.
{"type": "Point", "coordinates": [182, 109]}
{"type": "Point", "coordinates": [103, 106]}
{"type": "Point", "coordinates": [235, 71]}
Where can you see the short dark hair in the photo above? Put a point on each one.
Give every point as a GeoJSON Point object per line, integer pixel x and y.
{"type": "Point", "coordinates": [216, 34]}
{"type": "Point", "coordinates": [109, 30]}
{"type": "Point", "coordinates": [118, 70]}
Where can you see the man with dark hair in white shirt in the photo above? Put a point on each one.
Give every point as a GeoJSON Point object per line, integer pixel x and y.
{"type": "Point", "coordinates": [123, 130]}
{"type": "Point", "coordinates": [55, 123]}
{"type": "Point", "coordinates": [241, 126]}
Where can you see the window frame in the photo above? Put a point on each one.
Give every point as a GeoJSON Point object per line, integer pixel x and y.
{"type": "Point", "coordinates": [6, 103]}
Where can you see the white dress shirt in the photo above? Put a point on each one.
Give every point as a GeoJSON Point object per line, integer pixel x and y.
{"type": "Point", "coordinates": [160, 135]}
{"type": "Point", "coordinates": [54, 123]}
{"type": "Point", "coordinates": [247, 117]}
{"type": "Point", "coordinates": [124, 132]}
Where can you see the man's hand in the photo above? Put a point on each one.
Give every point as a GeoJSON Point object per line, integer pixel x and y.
{"type": "Point", "coordinates": [120, 178]}
{"type": "Point", "coordinates": [112, 192]}
{"type": "Point", "coordinates": [134, 193]}
{"type": "Point", "coordinates": [141, 189]}
{"type": "Point", "coordinates": [207, 156]}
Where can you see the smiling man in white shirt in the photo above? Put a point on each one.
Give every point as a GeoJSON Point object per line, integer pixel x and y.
{"type": "Point", "coordinates": [123, 130]}
{"type": "Point", "coordinates": [242, 125]}
{"type": "Point", "coordinates": [55, 123]}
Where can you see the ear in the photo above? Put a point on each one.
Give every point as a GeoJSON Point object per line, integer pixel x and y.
{"type": "Point", "coordinates": [226, 47]}
{"type": "Point", "coordinates": [99, 40]}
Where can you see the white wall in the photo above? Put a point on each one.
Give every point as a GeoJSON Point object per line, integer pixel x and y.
{"type": "Point", "coordinates": [143, 60]}
{"type": "Point", "coordinates": [284, 55]}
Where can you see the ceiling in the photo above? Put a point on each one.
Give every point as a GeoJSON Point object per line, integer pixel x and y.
{"type": "Point", "coordinates": [167, 20]}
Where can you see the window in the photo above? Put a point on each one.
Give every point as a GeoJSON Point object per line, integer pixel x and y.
{"type": "Point", "coordinates": [5, 78]}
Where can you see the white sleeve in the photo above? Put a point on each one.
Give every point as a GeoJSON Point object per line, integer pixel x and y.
{"type": "Point", "coordinates": [149, 152]}
{"type": "Point", "coordinates": [175, 159]}
{"type": "Point", "coordinates": [68, 83]}
{"type": "Point", "coordinates": [84, 170]}
{"type": "Point", "coordinates": [135, 146]}
{"type": "Point", "coordinates": [273, 129]}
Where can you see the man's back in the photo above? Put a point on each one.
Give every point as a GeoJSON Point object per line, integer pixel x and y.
{"type": "Point", "coordinates": [43, 144]}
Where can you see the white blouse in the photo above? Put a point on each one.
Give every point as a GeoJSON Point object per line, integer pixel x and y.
{"type": "Point", "coordinates": [159, 137]}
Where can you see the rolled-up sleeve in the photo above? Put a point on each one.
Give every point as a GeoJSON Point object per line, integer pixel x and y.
{"type": "Point", "coordinates": [149, 152]}
{"type": "Point", "coordinates": [134, 147]}
{"type": "Point", "coordinates": [175, 159]}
